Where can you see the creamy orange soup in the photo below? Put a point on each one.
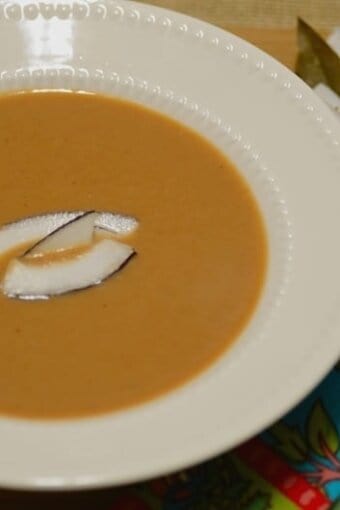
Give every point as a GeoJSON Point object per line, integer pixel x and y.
{"type": "Point", "coordinates": [176, 306]}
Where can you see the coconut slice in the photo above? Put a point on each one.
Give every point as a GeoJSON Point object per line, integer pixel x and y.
{"type": "Point", "coordinates": [38, 227]}
{"type": "Point", "coordinates": [31, 229]}
{"type": "Point", "coordinates": [29, 281]}
{"type": "Point", "coordinates": [116, 223]}
{"type": "Point", "coordinates": [77, 232]}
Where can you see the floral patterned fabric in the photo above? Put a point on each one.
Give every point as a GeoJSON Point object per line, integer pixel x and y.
{"type": "Point", "coordinates": [293, 465]}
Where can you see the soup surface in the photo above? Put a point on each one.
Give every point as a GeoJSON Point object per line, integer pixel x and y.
{"type": "Point", "coordinates": [176, 306]}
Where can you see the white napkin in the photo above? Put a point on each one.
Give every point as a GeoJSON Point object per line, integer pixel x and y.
{"type": "Point", "coordinates": [330, 97]}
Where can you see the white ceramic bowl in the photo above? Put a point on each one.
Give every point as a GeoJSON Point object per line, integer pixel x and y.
{"type": "Point", "coordinates": [285, 142]}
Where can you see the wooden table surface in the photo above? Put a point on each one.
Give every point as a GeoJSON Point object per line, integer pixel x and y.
{"type": "Point", "coordinates": [268, 24]}
{"type": "Point", "coordinates": [258, 13]}
{"type": "Point", "coordinates": [278, 42]}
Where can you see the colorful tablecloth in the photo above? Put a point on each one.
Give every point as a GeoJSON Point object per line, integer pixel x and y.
{"type": "Point", "coordinates": [293, 465]}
